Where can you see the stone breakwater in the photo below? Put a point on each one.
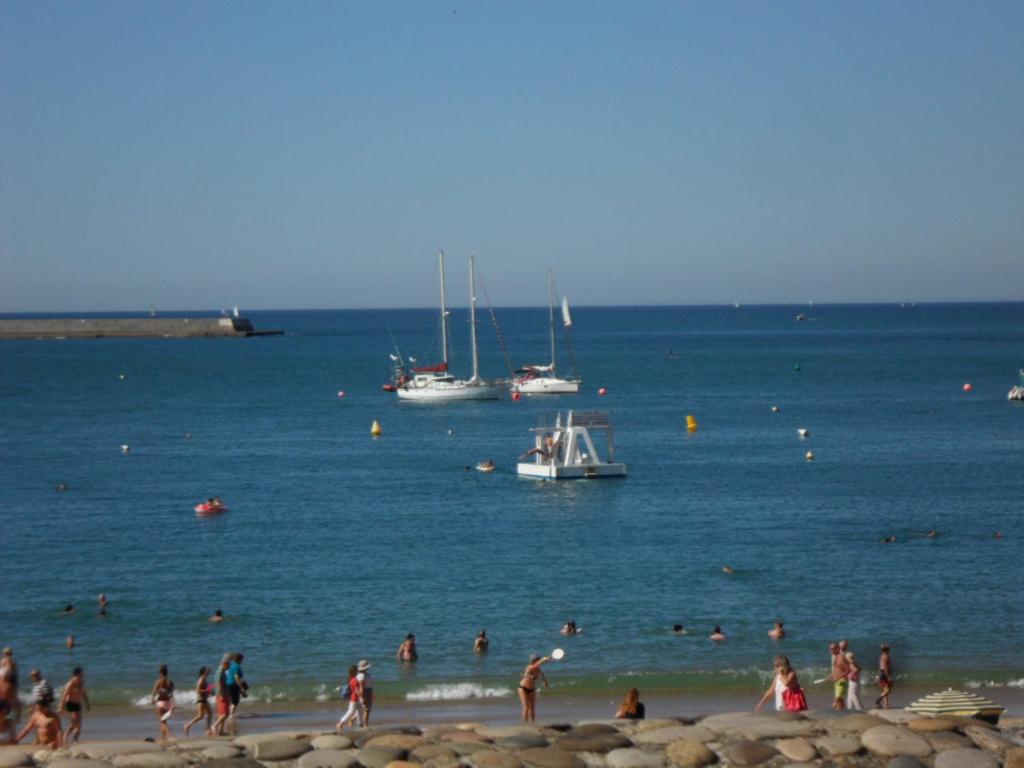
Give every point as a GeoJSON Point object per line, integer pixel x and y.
{"type": "Point", "coordinates": [129, 327]}
{"type": "Point", "coordinates": [881, 739]}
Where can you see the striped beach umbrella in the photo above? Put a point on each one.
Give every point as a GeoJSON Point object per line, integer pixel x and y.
{"type": "Point", "coordinates": [950, 702]}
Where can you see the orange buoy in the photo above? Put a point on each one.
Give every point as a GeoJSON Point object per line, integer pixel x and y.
{"type": "Point", "coordinates": [375, 429]}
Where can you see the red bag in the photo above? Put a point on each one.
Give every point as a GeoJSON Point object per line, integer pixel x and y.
{"type": "Point", "coordinates": [794, 700]}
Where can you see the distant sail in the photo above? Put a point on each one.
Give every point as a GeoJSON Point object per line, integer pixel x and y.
{"type": "Point", "coordinates": [566, 317]}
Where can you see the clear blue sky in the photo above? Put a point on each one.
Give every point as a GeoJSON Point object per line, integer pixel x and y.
{"type": "Point", "coordinates": [316, 154]}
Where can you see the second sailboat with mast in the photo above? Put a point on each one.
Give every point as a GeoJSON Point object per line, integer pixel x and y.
{"type": "Point", "coordinates": [543, 379]}
{"type": "Point", "coordinates": [435, 383]}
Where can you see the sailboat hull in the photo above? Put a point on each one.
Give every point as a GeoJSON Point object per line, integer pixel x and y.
{"type": "Point", "coordinates": [547, 385]}
{"type": "Point", "coordinates": [453, 390]}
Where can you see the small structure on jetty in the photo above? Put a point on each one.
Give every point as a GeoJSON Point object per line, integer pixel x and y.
{"type": "Point", "coordinates": [129, 327]}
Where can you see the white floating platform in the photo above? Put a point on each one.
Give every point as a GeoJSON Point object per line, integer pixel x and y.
{"type": "Point", "coordinates": [564, 450]}
{"type": "Point", "coordinates": [577, 472]}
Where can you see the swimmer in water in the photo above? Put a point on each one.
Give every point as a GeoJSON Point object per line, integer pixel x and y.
{"type": "Point", "coordinates": [889, 540]}
{"type": "Point", "coordinates": [68, 610]}
{"type": "Point", "coordinates": [481, 643]}
{"type": "Point", "coordinates": [679, 629]}
{"type": "Point", "coordinates": [103, 605]}
{"type": "Point", "coordinates": [70, 642]}
{"type": "Point", "coordinates": [61, 486]}
{"type": "Point", "coordinates": [718, 635]}
{"type": "Point", "coordinates": [777, 632]}
{"type": "Point", "coordinates": [728, 569]}
{"type": "Point", "coordinates": [999, 534]}
{"type": "Point", "coordinates": [217, 617]}
{"type": "Point", "coordinates": [569, 628]}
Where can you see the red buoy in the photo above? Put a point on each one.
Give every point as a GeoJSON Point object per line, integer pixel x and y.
{"type": "Point", "coordinates": [968, 387]}
{"type": "Point", "coordinates": [602, 391]}
{"type": "Point", "coordinates": [341, 393]}
{"type": "Point", "coordinates": [516, 396]}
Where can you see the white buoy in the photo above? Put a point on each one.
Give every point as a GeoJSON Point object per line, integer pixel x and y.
{"type": "Point", "coordinates": [809, 456]}
{"type": "Point", "coordinates": [775, 409]}
{"type": "Point", "coordinates": [803, 432]}
{"type": "Point", "coordinates": [125, 448]}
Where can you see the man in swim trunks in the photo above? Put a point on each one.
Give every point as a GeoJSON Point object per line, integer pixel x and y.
{"type": "Point", "coordinates": [840, 675]}
{"type": "Point", "coordinates": [236, 686]}
{"type": "Point", "coordinates": [71, 701]}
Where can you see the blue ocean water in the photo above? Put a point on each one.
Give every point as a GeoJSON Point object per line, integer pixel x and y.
{"type": "Point", "coordinates": [337, 544]}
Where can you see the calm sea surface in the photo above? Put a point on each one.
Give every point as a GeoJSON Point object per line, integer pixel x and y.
{"type": "Point", "coordinates": [338, 544]}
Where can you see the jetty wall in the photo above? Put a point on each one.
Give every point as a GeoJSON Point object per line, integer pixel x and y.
{"type": "Point", "coordinates": [136, 327]}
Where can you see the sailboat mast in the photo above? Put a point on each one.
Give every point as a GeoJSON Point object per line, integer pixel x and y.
{"type": "Point", "coordinates": [551, 315]}
{"type": "Point", "coordinates": [472, 316]}
{"type": "Point", "coordinates": [444, 316]}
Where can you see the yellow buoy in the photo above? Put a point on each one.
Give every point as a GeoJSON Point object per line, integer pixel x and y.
{"type": "Point", "coordinates": [691, 423]}
{"type": "Point", "coordinates": [375, 429]}
{"type": "Point", "coordinates": [809, 456]}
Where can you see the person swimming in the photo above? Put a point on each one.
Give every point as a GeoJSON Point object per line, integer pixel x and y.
{"type": "Point", "coordinates": [777, 632]}
{"type": "Point", "coordinates": [679, 629]}
{"type": "Point", "coordinates": [718, 635]}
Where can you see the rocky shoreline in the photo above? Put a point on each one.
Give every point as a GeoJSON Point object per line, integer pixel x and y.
{"type": "Point", "coordinates": [879, 739]}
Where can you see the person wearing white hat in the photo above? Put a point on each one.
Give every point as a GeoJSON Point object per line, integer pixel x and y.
{"type": "Point", "coordinates": [366, 680]}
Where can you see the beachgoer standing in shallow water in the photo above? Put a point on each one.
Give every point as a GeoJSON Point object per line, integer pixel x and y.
{"type": "Point", "coordinates": [72, 701]}
{"type": "Point", "coordinates": [785, 687]}
{"type": "Point", "coordinates": [884, 678]}
{"type": "Point", "coordinates": [42, 691]}
{"type": "Point", "coordinates": [223, 697]}
{"type": "Point", "coordinates": [631, 708]}
{"type": "Point", "coordinates": [366, 684]}
{"type": "Point", "coordinates": [777, 632]}
{"type": "Point", "coordinates": [481, 643]}
{"type": "Point", "coordinates": [717, 634]}
{"type": "Point", "coordinates": [528, 687]}
{"type": "Point", "coordinates": [103, 605]}
{"type": "Point", "coordinates": [163, 696]}
{"type": "Point", "coordinates": [853, 694]}
{"type": "Point", "coordinates": [6, 714]}
{"type": "Point", "coordinates": [353, 691]}
{"type": "Point", "coordinates": [9, 675]}
{"type": "Point", "coordinates": [407, 650]}
{"type": "Point", "coordinates": [840, 676]}
{"type": "Point", "coordinates": [202, 701]}
{"type": "Point", "coordinates": [46, 724]}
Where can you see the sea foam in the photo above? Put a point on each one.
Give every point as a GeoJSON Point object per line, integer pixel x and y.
{"type": "Point", "coordinates": [457, 691]}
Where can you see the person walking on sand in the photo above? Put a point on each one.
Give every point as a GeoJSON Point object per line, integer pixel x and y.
{"type": "Point", "coordinates": [9, 675]}
{"type": "Point", "coordinates": [884, 678]}
{"type": "Point", "coordinates": [42, 691]}
{"type": "Point", "coordinates": [71, 701]}
{"type": "Point", "coordinates": [203, 688]}
{"type": "Point", "coordinates": [353, 691]}
{"type": "Point", "coordinates": [853, 694]}
{"type": "Point", "coordinates": [785, 687]}
{"type": "Point", "coordinates": [46, 724]}
{"type": "Point", "coordinates": [237, 686]}
{"type": "Point", "coordinates": [163, 696]}
{"type": "Point", "coordinates": [223, 697]}
{"type": "Point", "coordinates": [481, 643]}
{"type": "Point", "coordinates": [6, 720]}
{"type": "Point", "coordinates": [840, 676]}
{"type": "Point", "coordinates": [366, 684]}
{"type": "Point", "coordinates": [528, 687]}
{"type": "Point", "coordinates": [407, 650]}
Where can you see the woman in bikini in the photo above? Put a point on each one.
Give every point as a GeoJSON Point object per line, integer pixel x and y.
{"type": "Point", "coordinates": [163, 697]}
{"type": "Point", "coordinates": [528, 687]}
{"type": "Point", "coordinates": [202, 701]}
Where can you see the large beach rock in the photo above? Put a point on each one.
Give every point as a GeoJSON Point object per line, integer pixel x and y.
{"type": "Point", "coordinates": [430, 751]}
{"type": "Point", "coordinates": [895, 716]}
{"type": "Point", "coordinates": [517, 741]}
{"type": "Point", "coordinates": [905, 761]}
{"type": "Point", "coordinates": [402, 764]}
{"type": "Point", "coordinates": [797, 750]}
{"type": "Point", "coordinates": [221, 752]}
{"type": "Point", "coordinates": [931, 725]}
{"type": "Point", "coordinates": [283, 748]}
{"type": "Point", "coordinates": [751, 727]}
{"type": "Point", "coordinates": [748, 752]}
{"type": "Point", "coordinates": [944, 740]}
{"type": "Point", "coordinates": [550, 757]}
{"type": "Point", "coordinates": [839, 745]}
{"type": "Point", "coordinates": [105, 750]}
{"type": "Point", "coordinates": [378, 757]}
{"type": "Point", "coordinates": [489, 758]}
{"type": "Point", "coordinates": [993, 741]}
{"type": "Point", "coordinates": [363, 737]}
{"type": "Point", "coordinates": [233, 762]}
{"type": "Point", "coordinates": [327, 758]}
{"type": "Point", "coordinates": [470, 736]}
{"type": "Point", "coordinates": [894, 741]}
{"type": "Point", "coordinates": [690, 754]}
{"type": "Point", "coordinates": [666, 735]}
{"type": "Point", "coordinates": [966, 758]}
{"type": "Point", "coordinates": [331, 741]}
{"type": "Point", "coordinates": [852, 723]}
{"type": "Point", "coordinates": [1014, 758]}
{"type": "Point", "coordinates": [593, 738]}
{"type": "Point", "coordinates": [631, 757]}
{"type": "Point", "coordinates": [149, 760]}
{"type": "Point", "coordinates": [70, 762]}
{"type": "Point", "coordinates": [655, 722]}
{"type": "Point", "coordinates": [505, 731]}
{"type": "Point", "coordinates": [405, 741]}
{"type": "Point", "coordinates": [13, 757]}
{"type": "Point", "coordinates": [464, 748]}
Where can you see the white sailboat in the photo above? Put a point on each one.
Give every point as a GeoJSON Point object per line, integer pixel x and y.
{"type": "Point", "coordinates": [435, 383]}
{"type": "Point", "coordinates": [543, 379]}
